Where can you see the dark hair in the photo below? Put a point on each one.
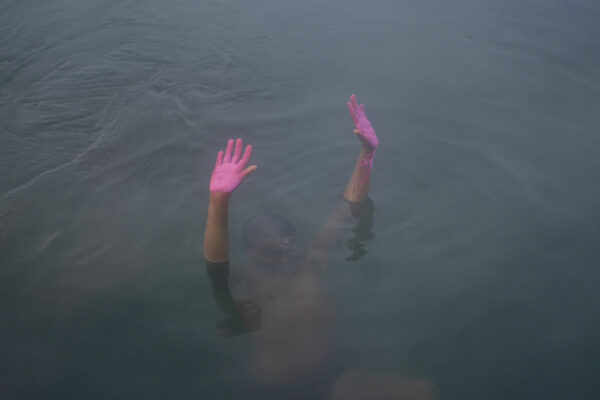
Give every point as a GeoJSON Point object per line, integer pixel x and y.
{"type": "Point", "coordinates": [266, 226]}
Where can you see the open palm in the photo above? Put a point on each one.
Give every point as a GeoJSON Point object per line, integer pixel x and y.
{"type": "Point", "coordinates": [230, 169]}
{"type": "Point", "coordinates": [364, 130]}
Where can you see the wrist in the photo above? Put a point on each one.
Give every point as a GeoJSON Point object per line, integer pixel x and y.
{"type": "Point", "coordinates": [367, 154]}
{"type": "Point", "coordinates": [220, 197]}
{"type": "Point", "coordinates": [218, 210]}
{"type": "Point", "coordinates": [367, 149]}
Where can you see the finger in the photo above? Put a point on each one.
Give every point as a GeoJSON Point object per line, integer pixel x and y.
{"type": "Point", "coordinates": [239, 145]}
{"type": "Point", "coordinates": [227, 157]}
{"type": "Point", "coordinates": [362, 108]}
{"type": "Point", "coordinates": [246, 156]}
{"type": "Point", "coordinates": [245, 173]}
{"type": "Point", "coordinates": [354, 104]}
{"type": "Point", "coordinates": [352, 113]}
{"type": "Point", "coordinates": [219, 159]}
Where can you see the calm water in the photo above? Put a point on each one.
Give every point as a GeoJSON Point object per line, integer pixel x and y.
{"type": "Point", "coordinates": [482, 278]}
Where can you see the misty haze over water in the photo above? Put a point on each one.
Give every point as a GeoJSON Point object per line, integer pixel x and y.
{"type": "Point", "coordinates": [483, 274]}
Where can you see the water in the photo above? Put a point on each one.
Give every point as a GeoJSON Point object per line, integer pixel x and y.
{"type": "Point", "coordinates": [482, 278]}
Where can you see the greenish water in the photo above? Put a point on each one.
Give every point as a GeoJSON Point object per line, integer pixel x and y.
{"type": "Point", "coordinates": [481, 279]}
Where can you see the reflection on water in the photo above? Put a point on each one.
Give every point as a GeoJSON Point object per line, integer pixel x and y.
{"type": "Point", "coordinates": [484, 264]}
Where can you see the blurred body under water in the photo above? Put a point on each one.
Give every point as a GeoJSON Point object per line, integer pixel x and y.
{"type": "Point", "coordinates": [483, 274]}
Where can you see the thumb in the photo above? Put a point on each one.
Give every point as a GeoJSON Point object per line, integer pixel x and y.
{"type": "Point", "coordinates": [245, 173]}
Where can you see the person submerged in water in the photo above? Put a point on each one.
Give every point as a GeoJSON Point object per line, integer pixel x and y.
{"type": "Point", "coordinates": [294, 346]}
{"type": "Point", "coordinates": [271, 239]}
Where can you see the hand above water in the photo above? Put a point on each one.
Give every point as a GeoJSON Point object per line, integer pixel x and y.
{"type": "Point", "coordinates": [230, 169]}
{"type": "Point", "coordinates": [364, 130]}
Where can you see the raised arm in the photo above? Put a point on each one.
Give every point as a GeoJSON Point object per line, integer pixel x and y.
{"type": "Point", "coordinates": [358, 187]}
{"type": "Point", "coordinates": [230, 170]}
{"type": "Point", "coordinates": [356, 192]}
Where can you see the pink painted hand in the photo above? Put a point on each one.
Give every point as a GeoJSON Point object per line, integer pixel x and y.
{"type": "Point", "coordinates": [364, 130]}
{"type": "Point", "coordinates": [230, 169]}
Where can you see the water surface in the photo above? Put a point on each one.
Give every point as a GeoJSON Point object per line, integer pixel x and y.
{"type": "Point", "coordinates": [483, 274]}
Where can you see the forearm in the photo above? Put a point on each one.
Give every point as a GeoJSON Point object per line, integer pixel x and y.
{"type": "Point", "coordinates": [356, 191]}
{"type": "Point", "coordinates": [216, 237]}
{"type": "Point", "coordinates": [358, 187]}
